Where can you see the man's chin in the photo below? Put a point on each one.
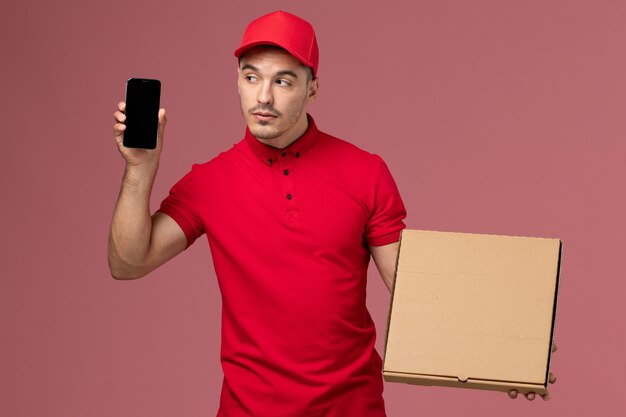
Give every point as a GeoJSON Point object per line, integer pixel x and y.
{"type": "Point", "coordinates": [264, 132]}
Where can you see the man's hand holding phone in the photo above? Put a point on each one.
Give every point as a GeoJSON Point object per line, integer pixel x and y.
{"type": "Point", "coordinates": [138, 157]}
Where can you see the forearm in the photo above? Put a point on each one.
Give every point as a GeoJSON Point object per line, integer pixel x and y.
{"type": "Point", "coordinates": [131, 226]}
{"type": "Point", "coordinates": [385, 258]}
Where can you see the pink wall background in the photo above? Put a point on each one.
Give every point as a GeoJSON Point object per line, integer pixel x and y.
{"type": "Point", "coordinates": [502, 117]}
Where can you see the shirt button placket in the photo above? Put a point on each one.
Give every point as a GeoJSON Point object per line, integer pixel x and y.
{"type": "Point", "coordinates": [286, 161]}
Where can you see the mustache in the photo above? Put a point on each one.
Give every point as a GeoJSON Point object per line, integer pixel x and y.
{"type": "Point", "coordinates": [265, 108]}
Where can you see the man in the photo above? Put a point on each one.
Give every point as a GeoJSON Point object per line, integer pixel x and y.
{"type": "Point", "coordinates": [291, 215]}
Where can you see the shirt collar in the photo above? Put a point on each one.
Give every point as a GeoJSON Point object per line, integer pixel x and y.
{"type": "Point", "coordinates": [269, 154]}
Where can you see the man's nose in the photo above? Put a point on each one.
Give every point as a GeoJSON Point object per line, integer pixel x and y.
{"type": "Point", "coordinates": [265, 94]}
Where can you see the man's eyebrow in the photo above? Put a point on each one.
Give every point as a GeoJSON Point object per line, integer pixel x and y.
{"type": "Point", "coordinates": [278, 74]}
{"type": "Point", "coordinates": [287, 72]}
{"type": "Point", "coordinates": [250, 67]}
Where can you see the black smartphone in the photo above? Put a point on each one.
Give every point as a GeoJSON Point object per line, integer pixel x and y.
{"type": "Point", "coordinates": [142, 113]}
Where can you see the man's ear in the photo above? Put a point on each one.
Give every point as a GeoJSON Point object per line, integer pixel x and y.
{"type": "Point", "coordinates": [238, 78]}
{"type": "Point", "coordinates": [313, 89]}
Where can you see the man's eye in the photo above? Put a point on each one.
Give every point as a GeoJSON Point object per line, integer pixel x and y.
{"type": "Point", "coordinates": [283, 83]}
{"type": "Point", "coordinates": [250, 78]}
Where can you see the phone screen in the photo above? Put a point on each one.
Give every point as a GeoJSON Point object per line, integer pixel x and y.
{"type": "Point", "coordinates": [142, 113]}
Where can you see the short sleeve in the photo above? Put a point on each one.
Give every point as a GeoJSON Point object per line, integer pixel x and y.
{"type": "Point", "coordinates": [387, 216]}
{"type": "Point", "coordinates": [181, 205]}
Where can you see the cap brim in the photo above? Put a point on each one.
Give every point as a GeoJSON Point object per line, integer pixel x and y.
{"type": "Point", "coordinates": [243, 48]}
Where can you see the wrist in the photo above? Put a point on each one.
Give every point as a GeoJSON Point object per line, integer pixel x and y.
{"type": "Point", "coordinates": [137, 175]}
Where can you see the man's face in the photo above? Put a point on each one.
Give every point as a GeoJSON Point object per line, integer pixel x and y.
{"type": "Point", "coordinates": [274, 90]}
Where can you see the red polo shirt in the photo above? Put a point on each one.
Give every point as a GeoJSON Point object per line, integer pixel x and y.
{"type": "Point", "coordinates": [289, 232]}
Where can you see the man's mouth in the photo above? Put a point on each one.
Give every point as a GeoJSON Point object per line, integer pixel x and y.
{"type": "Point", "coordinates": [264, 115]}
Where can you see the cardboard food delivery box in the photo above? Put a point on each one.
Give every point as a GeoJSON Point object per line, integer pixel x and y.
{"type": "Point", "coordinates": [473, 311]}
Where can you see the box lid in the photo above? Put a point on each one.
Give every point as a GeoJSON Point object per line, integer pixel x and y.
{"type": "Point", "coordinates": [473, 307]}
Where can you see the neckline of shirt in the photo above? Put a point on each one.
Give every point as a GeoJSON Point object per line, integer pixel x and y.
{"type": "Point", "coordinates": [268, 154]}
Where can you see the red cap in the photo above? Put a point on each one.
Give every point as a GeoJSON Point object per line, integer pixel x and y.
{"type": "Point", "coordinates": [286, 30]}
